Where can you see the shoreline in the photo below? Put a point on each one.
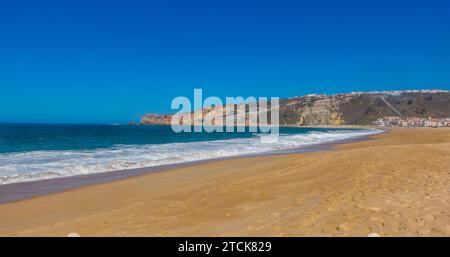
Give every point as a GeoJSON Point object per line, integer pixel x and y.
{"type": "Point", "coordinates": [395, 184]}
{"type": "Point", "coordinates": [28, 189]}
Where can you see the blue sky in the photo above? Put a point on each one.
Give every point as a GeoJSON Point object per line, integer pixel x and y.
{"type": "Point", "coordinates": [112, 61]}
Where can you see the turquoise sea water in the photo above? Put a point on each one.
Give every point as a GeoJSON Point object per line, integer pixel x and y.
{"type": "Point", "coordinates": [43, 151]}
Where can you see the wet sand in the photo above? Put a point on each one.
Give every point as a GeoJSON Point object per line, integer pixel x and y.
{"type": "Point", "coordinates": [398, 183]}
{"type": "Point", "coordinates": [23, 190]}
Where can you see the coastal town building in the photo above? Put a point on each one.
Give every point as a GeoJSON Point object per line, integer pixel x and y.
{"type": "Point", "coordinates": [412, 122]}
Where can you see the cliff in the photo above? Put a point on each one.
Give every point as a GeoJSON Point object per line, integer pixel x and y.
{"type": "Point", "coordinates": [360, 108]}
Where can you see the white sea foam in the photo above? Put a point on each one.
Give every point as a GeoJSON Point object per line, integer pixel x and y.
{"type": "Point", "coordinates": [37, 165]}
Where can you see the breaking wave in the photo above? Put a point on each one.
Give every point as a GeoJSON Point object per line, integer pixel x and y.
{"type": "Point", "coordinates": [38, 165]}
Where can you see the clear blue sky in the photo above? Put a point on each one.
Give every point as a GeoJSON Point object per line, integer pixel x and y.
{"type": "Point", "coordinates": [112, 61]}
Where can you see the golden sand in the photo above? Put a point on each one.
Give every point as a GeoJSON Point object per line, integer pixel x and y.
{"type": "Point", "coordinates": [398, 183]}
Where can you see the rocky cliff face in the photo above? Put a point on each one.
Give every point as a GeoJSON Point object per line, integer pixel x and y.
{"type": "Point", "coordinates": [156, 119]}
{"type": "Point", "coordinates": [311, 110]}
{"type": "Point", "coordinates": [349, 109]}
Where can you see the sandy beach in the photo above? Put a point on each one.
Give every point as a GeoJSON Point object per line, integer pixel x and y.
{"type": "Point", "coordinates": [395, 184]}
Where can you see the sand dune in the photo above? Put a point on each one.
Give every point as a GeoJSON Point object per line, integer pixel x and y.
{"type": "Point", "coordinates": [398, 183]}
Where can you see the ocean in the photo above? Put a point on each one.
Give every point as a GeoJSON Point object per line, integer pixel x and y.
{"type": "Point", "coordinates": [30, 152]}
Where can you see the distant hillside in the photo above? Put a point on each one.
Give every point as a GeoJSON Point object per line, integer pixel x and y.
{"type": "Point", "coordinates": [353, 108]}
